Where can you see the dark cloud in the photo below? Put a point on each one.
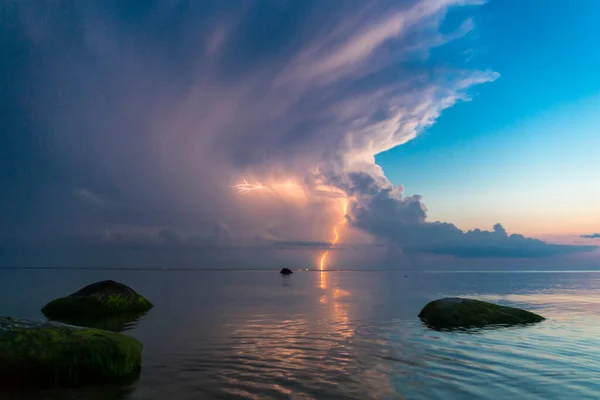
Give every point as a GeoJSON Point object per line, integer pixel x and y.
{"type": "Point", "coordinates": [402, 221]}
{"type": "Point", "coordinates": [592, 236]}
{"type": "Point", "coordinates": [170, 237]}
{"type": "Point", "coordinates": [302, 243]}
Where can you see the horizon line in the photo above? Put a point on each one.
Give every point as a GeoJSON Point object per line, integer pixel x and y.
{"type": "Point", "coordinates": [592, 269]}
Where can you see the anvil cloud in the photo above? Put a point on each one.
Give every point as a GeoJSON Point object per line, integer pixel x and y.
{"type": "Point", "coordinates": [126, 125]}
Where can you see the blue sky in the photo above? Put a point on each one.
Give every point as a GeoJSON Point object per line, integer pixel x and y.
{"type": "Point", "coordinates": [524, 150]}
{"type": "Point", "coordinates": [127, 126]}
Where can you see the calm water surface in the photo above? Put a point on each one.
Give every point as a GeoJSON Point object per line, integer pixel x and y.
{"type": "Point", "coordinates": [332, 335]}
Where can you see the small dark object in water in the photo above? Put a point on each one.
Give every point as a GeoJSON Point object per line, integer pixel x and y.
{"type": "Point", "coordinates": [285, 271]}
{"type": "Point", "coordinates": [450, 313]}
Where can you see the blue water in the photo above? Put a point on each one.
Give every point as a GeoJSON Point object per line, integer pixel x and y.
{"type": "Point", "coordinates": [332, 335]}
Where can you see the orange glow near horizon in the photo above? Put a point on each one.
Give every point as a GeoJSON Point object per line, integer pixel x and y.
{"type": "Point", "coordinates": [336, 235]}
{"type": "Point", "coordinates": [246, 187]}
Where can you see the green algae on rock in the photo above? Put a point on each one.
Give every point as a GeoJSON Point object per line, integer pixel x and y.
{"type": "Point", "coordinates": [101, 299]}
{"type": "Point", "coordinates": [452, 313]}
{"type": "Point", "coordinates": [36, 353]}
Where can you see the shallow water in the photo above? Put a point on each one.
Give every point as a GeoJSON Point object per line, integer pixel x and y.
{"type": "Point", "coordinates": [331, 335]}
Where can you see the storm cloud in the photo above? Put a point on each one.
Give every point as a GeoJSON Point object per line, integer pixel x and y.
{"type": "Point", "coordinates": [592, 236]}
{"type": "Point", "coordinates": [126, 124]}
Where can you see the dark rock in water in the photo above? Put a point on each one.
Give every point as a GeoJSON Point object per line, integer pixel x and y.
{"type": "Point", "coordinates": [285, 271]}
{"type": "Point", "coordinates": [450, 313]}
{"type": "Point", "coordinates": [99, 300]}
{"type": "Point", "coordinates": [35, 353]}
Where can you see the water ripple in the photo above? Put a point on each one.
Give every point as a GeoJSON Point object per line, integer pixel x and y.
{"type": "Point", "coordinates": [356, 336]}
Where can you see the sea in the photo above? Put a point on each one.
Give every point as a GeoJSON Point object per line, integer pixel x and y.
{"type": "Point", "coordinates": [234, 334]}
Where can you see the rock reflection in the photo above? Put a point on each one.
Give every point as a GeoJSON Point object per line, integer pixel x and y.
{"type": "Point", "coordinates": [285, 280]}
{"type": "Point", "coordinates": [116, 323]}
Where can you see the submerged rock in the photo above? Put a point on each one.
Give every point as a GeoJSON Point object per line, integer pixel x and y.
{"type": "Point", "coordinates": [285, 271]}
{"type": "Point", "coordinates": [117, 323]}
{"type": "Point", "coordinates": [36, 353]}
{"type": "Point", "coordinates": [98, 300]}
{"type": "Point", "coordinates": [457, 312]}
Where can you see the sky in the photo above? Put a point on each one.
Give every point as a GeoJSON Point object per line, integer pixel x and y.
{"type": "Point", "coordinates": [315, 134]}
{"type": "Point", "coordinates": [524, 149]}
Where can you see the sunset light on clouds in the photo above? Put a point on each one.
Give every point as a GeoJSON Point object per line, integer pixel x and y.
{"type": "Point", "coordinates": [221, 136]}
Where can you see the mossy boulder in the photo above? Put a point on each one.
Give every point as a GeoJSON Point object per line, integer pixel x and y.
{"type": "Point", "coordinates": [38, 354]}
{"type": "Point", "coordinates": [285, 271]}
{"type": "Point", "coordinates": [99, 300]}
{"type": "Point", "coordinates": [452, 313]}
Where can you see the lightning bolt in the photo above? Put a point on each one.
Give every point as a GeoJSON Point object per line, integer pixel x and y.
{"type": "Point", "coordinates": [336, 235]}
{"type": "Point", "coordinates": [247, 187]}
{"type": "Point", "coordinates": [250, 187]}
